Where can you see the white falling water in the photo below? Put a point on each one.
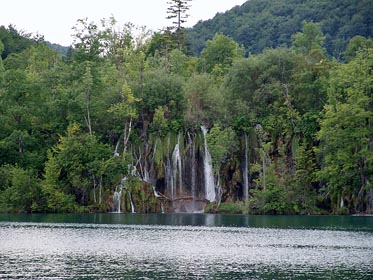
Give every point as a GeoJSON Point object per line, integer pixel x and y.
{"type": "Point", "coordinates": [170, 185]}
{"type": "Point", "coordinates": [245, 171]}
{"type": "Point", "coordinates": [193, 166]}
{"type": "Point", "coordinates": [122, 184]}
{"type": "Point", "coordinates": [210, 194]}
{"type": "Point", "coordinates": [176, 166]}
{"type": "Point", "coordinates": [116, 154]}
{"type": "Point", "coordinates": [169, 178]}
{"type": "Point", "coordinates": [131, 202]}
{"type": "Point", "coordinates": [117, 198]}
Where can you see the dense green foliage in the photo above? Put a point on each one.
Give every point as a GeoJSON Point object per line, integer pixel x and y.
{"type": "Point", "coordinates": [71, 129]}
{"type": "Point", "coordinates": [14, 41]}
{"type": "Point", "coordinates": [261, 24]}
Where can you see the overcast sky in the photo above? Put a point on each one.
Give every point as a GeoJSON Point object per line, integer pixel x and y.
{"type": "Point", "coordinates": [54, 19]}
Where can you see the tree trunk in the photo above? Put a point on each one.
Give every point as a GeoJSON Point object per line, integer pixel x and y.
{"type": "Point", "coordinates": [88, 117]}
{"type": "Point", "coordinates": [100, 191]}
{"type": "Point", "coordinates": [94, 189]}
{"type": "Point", "coordinates": [126, 137]}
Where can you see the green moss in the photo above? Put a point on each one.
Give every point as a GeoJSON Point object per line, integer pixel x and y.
{"type": "Point", "coordinates": [232, 208]}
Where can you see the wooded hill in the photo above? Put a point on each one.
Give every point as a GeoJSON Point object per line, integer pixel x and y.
{"type": "Point", "coordinates": [285, 131]}
{"type": "Point", "coordinates": [261, 24]}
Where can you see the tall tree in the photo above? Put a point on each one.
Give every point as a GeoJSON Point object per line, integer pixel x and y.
{"type": "Point", "coordinates": [310, 39]}
{"type": "Point", "coordinates": [15, 41]}
{"type": "Point", "coordinates": [346, 134]}
{"type": "Point", "coordinates": [177, 12]}
{"type": "Point", "coordinates": [2, 70]}
{"type": "Point", "coordinates": [219, 54]}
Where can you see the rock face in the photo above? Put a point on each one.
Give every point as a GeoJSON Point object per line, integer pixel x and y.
{"type": "Point", "coordinates": [181, 170]}
{"type": "Point", "coordinates": [178, 175]}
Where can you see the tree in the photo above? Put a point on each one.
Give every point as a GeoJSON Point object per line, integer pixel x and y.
{"type": "Point", "coordinates": [73, 170]}
{"type": "Point", "coordinates": [219, 54]}
{"type": "Point", "coordinates": [24, 116]}
{"type": "Point", "coordinates": [126, 112]}
{"type": "Point", "coordinates": [356, 44]}
{"type": "Point", "coordinates": [15, 41]}
{"type": "Point", "coordinates": [88, 42]}
{"type": "Point", "coordinates": [57, 200]}
{"type": "Point", "coordinates": [177, 11]}
{"type": "Point", "coordinates": [1, 63]}
{"type": "Point", "coordinates": [161, 90]}
{"type": "Point", "coordinates": [310, 39]}
{"type": "Point", "coordinates": [346, 136]}
{"type": "Point", "coordinates": [204, 101]}
{"type": "Point", "coordinates": [21, 192]}
{"type": "Point", "coordinates": [221, 143]}
{"type": "Point", "coordinates": [259, 25]}
{"type": "Point", "coordinates": [161, 44]}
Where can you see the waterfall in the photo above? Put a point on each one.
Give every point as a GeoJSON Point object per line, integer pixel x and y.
{"type": "Point", "coordinates": [208, 172]}
{"type": "Point", "coordinates": [176, 167]}
{"type": "Point", "coordinates": [169, 178]}
{"type": "Point", "coordinates": [146, 175]}
{"type": "Point", "coordinates": [170, 184]}
{"type": "Point", "coordinates": [116, 154]}
{"type": "Point", "coordinates": [131, 201]}
{"type": "Point", "coordinates": [122, 184]}
{"type": "Point", "coordinates": [193, 170]}
{"type": "Point", "coordinates": [341, 204]}
{"type": "Point", "coordinates": [245, 172]}
{"type": "Point", "coordinates": [117, 199]}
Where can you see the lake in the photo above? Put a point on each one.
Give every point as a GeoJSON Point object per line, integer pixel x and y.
{"type": "Point", "coordinates": [185, 246]}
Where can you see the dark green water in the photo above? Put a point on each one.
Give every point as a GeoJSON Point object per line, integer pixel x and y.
{"type": "Point", "coordinates": [192, 246]}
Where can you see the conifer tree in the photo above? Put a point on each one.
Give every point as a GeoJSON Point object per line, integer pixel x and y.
{"type": "Point", "coordinates": [177, 12]}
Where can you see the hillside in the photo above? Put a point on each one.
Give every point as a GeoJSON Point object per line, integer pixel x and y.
{"type": "Point", "coordinates": [260, 24]}
{"type": "Point", "coordinates": [16, 41]}
{"type": "Point", "coordinates": [62, 50]}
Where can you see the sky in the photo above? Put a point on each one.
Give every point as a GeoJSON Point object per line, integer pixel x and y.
{"type": "Point", "coordinates": [54, 19]}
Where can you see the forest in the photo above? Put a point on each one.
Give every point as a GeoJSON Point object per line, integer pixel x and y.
{"type": "Point", "coordinates": [261, 24]}
{"type": "Point", "coordinates": [130, 119]}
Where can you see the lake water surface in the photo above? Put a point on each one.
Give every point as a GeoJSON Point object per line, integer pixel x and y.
{"type": "Point", "coordinates": [191, 246]}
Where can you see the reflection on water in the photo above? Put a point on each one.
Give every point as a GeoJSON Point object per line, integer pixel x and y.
{"type": "Point", "coordinates": [354, 223]}
{"type": "Point", "coordinates": [116, 250]}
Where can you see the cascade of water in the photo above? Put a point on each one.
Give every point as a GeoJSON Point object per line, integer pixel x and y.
{"type": "Point", "coordinates": [193, 170]}
{"type": "Point", "coordinates": [176, 167]}
{"type": "Point", "coordinates": [245, 172]}
{"type": "Point", "coordinates": [116, 154]}
{"type": "Point", "coordinates": [146, 175]}
{"type": "Point", "coordinates": [117, 199]}
{"type": "Point", "coordinates": [169, 174]}
{"type": "Point", "coordinates": [179, 166]}
{"type": "Point", "coordinates": [131, 201]}
{"type": "Point", "coordinates": [210, 194]}
{"type": "Point", "coordinates": [133, 170]}
{"type": "Point", "coordinates": [123, 186]}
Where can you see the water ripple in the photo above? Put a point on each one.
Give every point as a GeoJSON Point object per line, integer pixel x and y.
{"type": "Point", "coordinates": [88, 251]}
